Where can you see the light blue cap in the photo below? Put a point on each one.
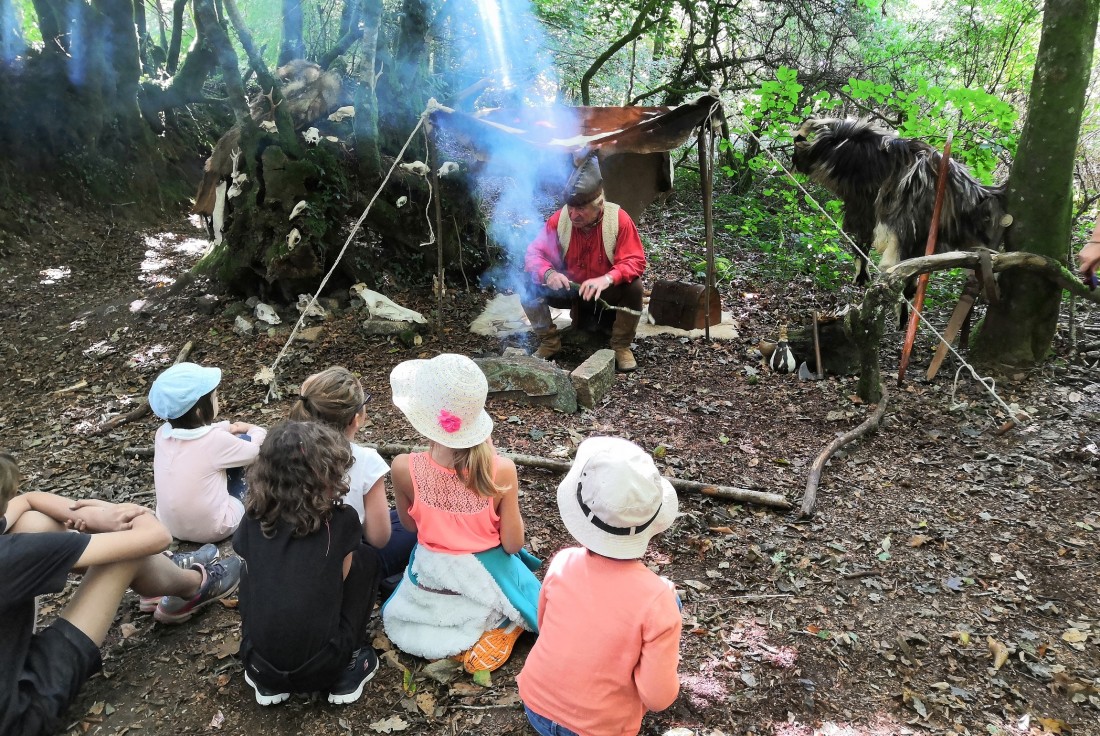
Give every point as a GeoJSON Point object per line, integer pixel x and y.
{"type": "Point", "coordinates": [177, 389]}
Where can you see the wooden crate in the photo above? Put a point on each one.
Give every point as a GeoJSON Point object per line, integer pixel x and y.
{"type": "Point", "coordinates": [683, 305]}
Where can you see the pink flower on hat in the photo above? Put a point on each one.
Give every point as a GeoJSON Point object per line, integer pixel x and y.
{"type": "Point", "coordinates": [449, 422]}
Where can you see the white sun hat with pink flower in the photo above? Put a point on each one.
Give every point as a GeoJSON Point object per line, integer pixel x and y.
{"type": "Point", "coordinates": [444, 399]}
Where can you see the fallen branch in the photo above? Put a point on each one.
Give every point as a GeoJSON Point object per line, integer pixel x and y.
{"type": "Point", "coordinates": [869, 424]}
{"type": "Point", "coordinates": [726, 493]}
{"type": "Point", "coordinates": [1042, 265]}
{"type": "Point", "coordinates": [141, 409]}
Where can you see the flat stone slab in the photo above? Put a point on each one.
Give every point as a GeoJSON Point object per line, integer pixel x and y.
{"type": "Point", "coordinates": [594, 378]}
{"type": "Point", "coordinates": [529, 380]}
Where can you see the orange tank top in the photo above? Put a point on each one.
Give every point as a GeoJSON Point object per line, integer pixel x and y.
{"type": "Point", "coordinates": [450, 518]}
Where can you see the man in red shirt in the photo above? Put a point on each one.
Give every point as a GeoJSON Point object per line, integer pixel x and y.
{"type": "Point", "coordinates": [597, 246]}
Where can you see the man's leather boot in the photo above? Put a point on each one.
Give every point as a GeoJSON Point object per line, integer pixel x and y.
{"type": "Point", "coordinates": [544, 327]}
{"type": "Point", "coordinates": [622, 334]}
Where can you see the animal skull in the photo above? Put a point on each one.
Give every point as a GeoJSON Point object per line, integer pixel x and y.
{"type": "Point", "coordinates": [344, 112]}
{"type": "Point", "coordinates": [448, 168]}
{"type": "Point", "coordinates": [292, 239]}
{"type": "Point", "coordinates": [312, 136]}
{"type": "Point", "coordinates": [298, 209]}
{"type": "Point", "coordinates": [402, 201]}
{"type": "Point", "coordinates": [265, 313]}
{"type": "Point", "coordinates": [268, 126]}
{"type": "Point", "coordinates": [419, 168]}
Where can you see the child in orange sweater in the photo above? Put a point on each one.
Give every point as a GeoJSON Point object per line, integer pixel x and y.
{"type": "Point", "coordinates": [609, 628]}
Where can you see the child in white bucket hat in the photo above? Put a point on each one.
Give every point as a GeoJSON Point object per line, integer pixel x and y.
{"type": "Point", "coordinates": [609, 628]}
{"type": "Point", "coordinates": [468, 586]}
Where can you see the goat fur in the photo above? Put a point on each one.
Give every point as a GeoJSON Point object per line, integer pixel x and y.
{"type": "Point", "coordinates": [310, 94]}
{"type": "Point", "coordinates": [888, 186]}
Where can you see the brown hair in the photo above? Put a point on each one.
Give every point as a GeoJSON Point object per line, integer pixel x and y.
{"type": "Point", "coordinates": [199, 415]}
{"type": "Point", "coordinates": [334, 396]}
{"type": "Point", "coordinates": [474, 466]}
{"type": "Point", "coordinates": [298, 477]}
{"type": "Point", "coordinates": [9, 480]}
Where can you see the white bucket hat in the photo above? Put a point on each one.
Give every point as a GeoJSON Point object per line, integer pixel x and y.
{"type": "Point", "coordinates": [444, 399]}
{"type": "Point", "coordinates": [613, 500]}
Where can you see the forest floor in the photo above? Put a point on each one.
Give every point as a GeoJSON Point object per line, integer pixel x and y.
{"type": "Point", "coordinates": [936, 542]}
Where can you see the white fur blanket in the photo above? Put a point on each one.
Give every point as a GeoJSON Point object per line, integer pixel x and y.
{"type": "Point", "coordinates": [433, 624]}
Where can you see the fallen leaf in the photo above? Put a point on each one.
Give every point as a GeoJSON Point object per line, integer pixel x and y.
{"type": "Point", "coordinates": [1051, 725]}
{"type": "Point", "coordinates": [408, 682]}
{"type": "Point", "coordinates": [443, 671]}
{"type": "Point", "coordinates": [217, 721]}
{"type": "Point", "coordinates": [483, 678]}
{"type": "Point", "coordinates": [97, 708]}
{"type": "Point", "coordinates": [426, 703]}
{"type": "Point", "coordinates": [127, 630]}
{"type": "Point", "coordinates": [918, 540]}
{"type": "Point", "coordinates": [998, 650]}
{"type": "Point", "coordinates": [1074, 636]}
{"type": "Point", "coordinates": [389, 725]}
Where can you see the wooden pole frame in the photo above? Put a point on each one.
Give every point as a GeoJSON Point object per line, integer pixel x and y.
{"type": "Point", "coordinates": [706, 144]}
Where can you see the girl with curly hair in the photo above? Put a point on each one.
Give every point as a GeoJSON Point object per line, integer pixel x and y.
{"type": "Point", "coordinates": [309, 580]}
{"type": "Point", "coordinates": [336, 398]}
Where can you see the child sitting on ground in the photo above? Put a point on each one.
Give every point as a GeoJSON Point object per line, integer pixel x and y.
{"type": "Point", "coordinates": [609, 628]}
{"type": "Point", "coordinates": [468, 585]}
{"type": "Point", "coordinates": [42, 672]}
{"type": "Point", "coordinates": [335, 397]}
{"type": "Point", "coordinates": [196, 463]}
{"type": "Point", "coordinates": [309, 581]}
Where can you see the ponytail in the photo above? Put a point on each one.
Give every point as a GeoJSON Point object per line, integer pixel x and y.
{"type": "Point", "coordinates": [474, 466]}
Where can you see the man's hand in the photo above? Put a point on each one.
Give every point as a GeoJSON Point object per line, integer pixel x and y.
{"type": "Point", "coordinates": [240, 428]}
{"type": "Point", "coordinates": [94, 516]}
{"type": "Point", "coordinates": [592, 288]}
{"type": "Point", "coordinates": [557, 281]}
{"type": "Point", "coordinates": [1089, 260]}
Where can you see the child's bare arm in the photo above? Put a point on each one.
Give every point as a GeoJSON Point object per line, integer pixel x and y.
{"type": "Point", "coordinates": [94, 516]}
{"type": "Point", "coordinates": [49, 504]}
{"type": "Point", "coordinates": [401, 477]}
{"type": "Point", "coordinates": [376, 520]}
{"type": "Point", "coordinates": [146, 536]}
{"type": "Point", "coordinates": [511, 520]}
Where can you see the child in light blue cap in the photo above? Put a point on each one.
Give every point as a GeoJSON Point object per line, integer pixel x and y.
{"type": "Point", "coordinates": [198, 498]}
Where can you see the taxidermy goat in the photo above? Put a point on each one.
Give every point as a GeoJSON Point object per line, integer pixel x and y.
{"type": "Point", "coordinates": [888, 186]}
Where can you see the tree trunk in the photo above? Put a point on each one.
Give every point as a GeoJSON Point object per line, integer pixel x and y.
{"type": "Point", "coordinates": [292, 47]}
{"type": "Point", "coordinates": [640, 26]}
{"type": "Point", "coordinates": [177, 34]}
{"type": "Point", "coordinates": [1018, 331]}
{"type": "Point", "coordinates": [366, 96]}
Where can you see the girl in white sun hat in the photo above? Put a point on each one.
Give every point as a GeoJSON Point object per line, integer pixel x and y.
{"type": "Point", "coordinates": [609, 628]}
{"type": "Point", "coordinates": [468, 587]}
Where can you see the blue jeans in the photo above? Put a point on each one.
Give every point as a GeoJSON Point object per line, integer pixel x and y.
{"type": "Point", "coordinates": [545, 726]}
{"type": "Point", "coordinates": [234, 477]}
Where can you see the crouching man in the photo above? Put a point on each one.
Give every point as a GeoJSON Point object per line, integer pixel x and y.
{"type": "Point", "coordinates": [595, 244]}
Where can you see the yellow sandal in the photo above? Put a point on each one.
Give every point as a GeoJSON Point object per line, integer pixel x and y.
{"type": "Point", "coordinates": [493, 649]}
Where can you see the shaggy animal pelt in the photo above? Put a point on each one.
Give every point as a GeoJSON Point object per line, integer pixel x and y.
{"type": "Point", "coordinates": [888, 186]}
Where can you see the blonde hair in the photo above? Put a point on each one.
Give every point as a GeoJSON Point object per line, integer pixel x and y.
{"type": "Point", "coordinates": [333, 397]}
{"type": "Point", "coordinates": [474, 466]}
{"type": "Point", "coordinates": [9, 480]}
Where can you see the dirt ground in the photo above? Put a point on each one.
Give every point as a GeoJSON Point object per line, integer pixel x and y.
{"type": "Point", "coordinates": [937, 542]}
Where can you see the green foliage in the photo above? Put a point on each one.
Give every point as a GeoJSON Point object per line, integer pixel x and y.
{"type": "Point", "coordinates": [984, 125]}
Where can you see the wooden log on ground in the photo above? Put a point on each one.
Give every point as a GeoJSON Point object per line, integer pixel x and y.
{"type": "Point", "coordinates": [727, 493]}
{"type": "Point", "coordinates": [141, 409]}
{"type": "Point", "coordinates": [809, 499]}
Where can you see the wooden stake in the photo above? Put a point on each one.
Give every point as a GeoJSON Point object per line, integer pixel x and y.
{"type": "Point", "coordinates": [929, 249]}
{"type": "Point", "coordinates": [817, 349]}
{"type": "Point", "coordinates": [962, 310]}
